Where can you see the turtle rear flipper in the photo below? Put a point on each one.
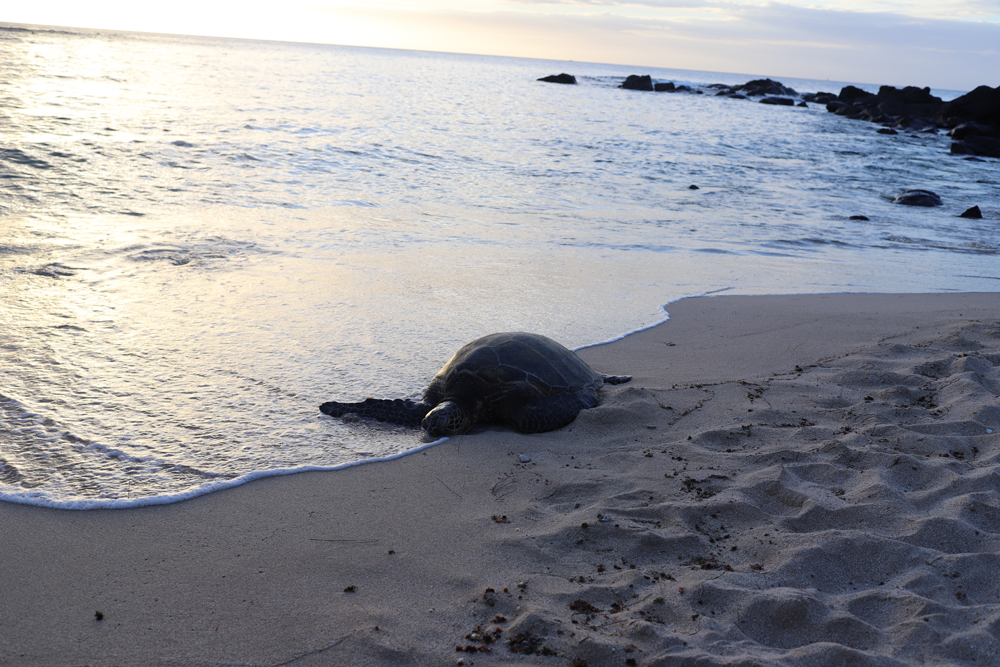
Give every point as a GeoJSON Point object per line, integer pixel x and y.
{"type": "Point", "coordinates": [616, 379]}
{"type": "Point", "coordinates": [548, 413]}
{"type": "Point", "coordinates": [397, 411]}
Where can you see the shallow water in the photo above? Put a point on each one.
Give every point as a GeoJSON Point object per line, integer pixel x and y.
{"type": "Point", "coordinates": [202, 239]}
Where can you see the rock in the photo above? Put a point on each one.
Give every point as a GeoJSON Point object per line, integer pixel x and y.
{"type": "Point", "coordinates": [636, 82]}
{"type": "Point", "coordinates": [909, 97]}
{"type": "Point", "coordinates": [803, 105]}
{"type": "Point", "coordinates": [863, 218]}
{"type": "Point", "coordinates": [917, 102]}
{"type": "Point", "coordinates": [972, 128]}
{"type": "Point", "coordinates": [765, 87]}
{"type": "Point", "coordinates": [916, 124]}
{"type": "Point", "coordinates": [853, 94]}
{"type": "Point", "coordinates": [890, 103]}
{"type": "Point", "coordinates": [684, 89]}
{"type": "Point", "coordinates": [914, 95]}
{"type": "Point", "coordinates": [693, 187]}
{"type": "Point", "coordinates": [667, 87]}
{"type": "Point", "coordinates": [981, 105]}
{"type": "Point", "coordinates": [973, 117]}
{"type": "Point", "coordinates": [783, 101]}
{"type": "Point", "coordinates": [874, 116]}
{"type": "Point", "coordinates": [917, 198]}
{"type": "Point", "coordinates": [887, 130]}
{"type": "Point", "coordinates": [559, 78]}
{"type": "Point", "coordinates": [973, 213]}
{"type": "Point", "coordinates": [892, 107]}
{"type": "Point", "coordinates": [976, 145]}
{"type": "Point", "coordinates": [819, 98]}
{"type": "Point", "coordinates": [848, 110]}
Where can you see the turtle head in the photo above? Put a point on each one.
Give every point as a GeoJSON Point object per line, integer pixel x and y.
{"type": "Point", "coordinates": [448, 418]}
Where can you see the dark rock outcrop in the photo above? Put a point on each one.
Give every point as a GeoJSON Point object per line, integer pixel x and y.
{"type": "Point", "coordinates": [843, 109]}
{"type": "Point", "coordinates": [981, 105]}
{"type": "Point", "coordinates": [974, 117]}
{"type": "Point", "coordinates": [915, 124]}
{"type": "Point", "coordinates": [819, 98]}
{"type": "Point", "coordinates": [910, 100]}
{"type": "Point", "coordinates": [773, 92]}
{"type": "Point", "coordinates": [974, 213]}
{"type": "Point", "coordinates": [975, 122]}
{"type": "Point", "coordinates": [976, 145]}
{"type": "Point", "coordinates": [917, 198]}
{"type": "Point", "coordinates": [783, 101]}
{"type": "Point", "coordinates": [765, 87]}
{"type": "Point", "coordinates": [559, 78]}
{"type": "Point", "coordinates": [964, 130]}
{"type": "Point", "coordinates": [889, 104]}
{"type": "Point", "coordinates": [853, 95]}
{"type": "Point", "coordinates": [636, 82]}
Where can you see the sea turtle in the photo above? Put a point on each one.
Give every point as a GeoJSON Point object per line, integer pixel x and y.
{"type": "Point", "coordinates": [525, 380]}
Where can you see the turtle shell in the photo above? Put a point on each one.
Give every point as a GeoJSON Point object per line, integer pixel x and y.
{"type": "Point", "coordinates": [501, 361]}
{"type": "Point", "coordinates": [525, 380]}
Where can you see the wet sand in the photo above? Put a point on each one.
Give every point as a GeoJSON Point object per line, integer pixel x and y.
{"type": "Point", "coordinates": [788, 480]}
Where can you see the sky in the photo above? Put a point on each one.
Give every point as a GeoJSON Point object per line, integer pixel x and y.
{"type": "Point", "coordinates": [952, 45]}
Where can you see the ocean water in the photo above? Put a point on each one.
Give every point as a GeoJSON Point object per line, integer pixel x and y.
{"type": "Point", "coordinates": [201, 239]}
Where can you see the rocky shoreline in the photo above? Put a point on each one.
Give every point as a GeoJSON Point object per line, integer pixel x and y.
{"type": "Point", "coordinates": [972, 120]}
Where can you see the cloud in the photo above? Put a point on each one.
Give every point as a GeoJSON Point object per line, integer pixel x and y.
{"type": "Point", "coordinates": [773, 39]}
{"type": "Point", "coordinates": [986, 8]}
{"type": "Point", "coordinates": [877, 47]}
{"type": "Point", "coordinates": [957, 9]}
{"type": "Point", "coordinates": [869, 31]}
{"type": "Point", "coordinates": [897, 42]}
{"type": "Point", "coordinates": [982, 9]}
{"type": "Point", "coordinates": [671, 4]}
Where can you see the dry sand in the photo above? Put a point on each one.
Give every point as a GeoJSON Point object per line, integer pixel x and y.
{"type": "Point", "coordinates": [793, 480]}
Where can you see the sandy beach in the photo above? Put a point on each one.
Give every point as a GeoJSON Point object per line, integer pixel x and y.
{"type": "Point", "coordinates": [788, 480]}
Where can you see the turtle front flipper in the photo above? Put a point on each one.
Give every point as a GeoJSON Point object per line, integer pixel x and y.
{"type": "Point", "coordinates": [548, 413]}
{"type": "Point", "coordinates": [397, 411]}
{"type": "Point", "coordinates": [616, 379]}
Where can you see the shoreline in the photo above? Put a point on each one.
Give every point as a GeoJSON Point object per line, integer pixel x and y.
{"type": "Point", "coordinates": [788, 479]}
{"type": "Point", "coordinates": [90, 504]}
{"type": "Point", "coordinates": [168, 499]}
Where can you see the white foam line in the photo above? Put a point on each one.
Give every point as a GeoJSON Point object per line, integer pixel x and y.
{"type": "Point", "coordinates": [39, 500]}
{"type": "Point", "coordinates": [666, 317]}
